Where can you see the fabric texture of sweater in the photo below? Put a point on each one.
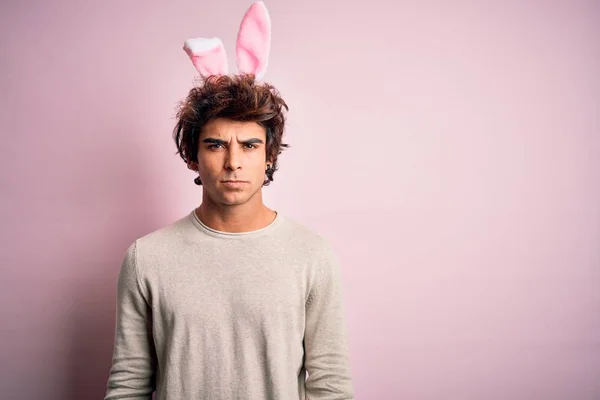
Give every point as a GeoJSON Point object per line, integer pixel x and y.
{"type": "Point", "coordinates": [210, 315]}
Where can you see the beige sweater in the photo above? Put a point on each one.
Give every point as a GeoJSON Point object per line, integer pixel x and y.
{"type": "Point", "coordinates": [210, 315]}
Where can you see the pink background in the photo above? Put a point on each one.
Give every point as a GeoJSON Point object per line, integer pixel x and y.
{"type": "Point", "coordinates": [451, 153]}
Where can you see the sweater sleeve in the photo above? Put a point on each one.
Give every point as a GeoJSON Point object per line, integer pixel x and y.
{"type": "Point", "coordinates": [132, 374]}
{"type": "Point", "coordinates": [325, 340]}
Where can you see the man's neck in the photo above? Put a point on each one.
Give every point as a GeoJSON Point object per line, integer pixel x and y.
{"type": "Point", "coordinates": [235, 219]}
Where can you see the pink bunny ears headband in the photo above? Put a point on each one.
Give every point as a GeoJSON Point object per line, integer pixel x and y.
{"type": "Point", "coordinates": [252, 47]}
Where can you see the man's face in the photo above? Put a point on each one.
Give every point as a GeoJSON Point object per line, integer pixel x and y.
{"type": "Point", "coordinates": [232, 160]}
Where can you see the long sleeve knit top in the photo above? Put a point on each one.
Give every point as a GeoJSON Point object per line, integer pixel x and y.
{"type": "Point", "coordinates": [210, 315]}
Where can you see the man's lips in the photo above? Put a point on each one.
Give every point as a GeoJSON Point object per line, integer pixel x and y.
{"type": "Point", "coordinates": [234, 184]}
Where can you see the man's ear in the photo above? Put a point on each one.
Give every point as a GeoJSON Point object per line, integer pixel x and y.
{"type": "Point", "coordinates": [193, 166]}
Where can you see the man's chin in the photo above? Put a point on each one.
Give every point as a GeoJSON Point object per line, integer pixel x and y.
{"type": "Point", "coordinates": [234, 198]}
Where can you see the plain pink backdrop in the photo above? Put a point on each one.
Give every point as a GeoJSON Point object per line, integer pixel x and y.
{"type": "Point", "coordinates": [449, 150]}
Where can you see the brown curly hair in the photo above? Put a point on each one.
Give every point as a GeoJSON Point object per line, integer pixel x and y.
{"type": "Point", "coordinates": [239, 98]}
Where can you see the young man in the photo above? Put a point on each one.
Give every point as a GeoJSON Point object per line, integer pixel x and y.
{"type": "Point", "coordinates": [234, 300]}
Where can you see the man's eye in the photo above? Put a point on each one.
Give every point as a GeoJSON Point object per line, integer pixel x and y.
{"type": "Point", "coordinates": [251, 146]}
{"type": "Point", "coordinates": [214, 146]}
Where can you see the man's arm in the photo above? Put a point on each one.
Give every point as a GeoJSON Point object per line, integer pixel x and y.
{"type": "Point", "coordinates": [134, 357]}
{"type": "Point", "coordinates": [325, 338]}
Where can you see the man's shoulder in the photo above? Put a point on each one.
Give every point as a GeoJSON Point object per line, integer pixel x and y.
{"type": "Point", "coordinates": [168, 235]}
{"type": "Point", "coordinates": [306, 237]}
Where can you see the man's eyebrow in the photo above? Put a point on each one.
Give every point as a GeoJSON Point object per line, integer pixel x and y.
{"type": "Point", "coordinates": [213, 140]}
{"type": "Point", "coordinates": [221, 141]}
{"type": "Point", "coordinates": [252, 141]}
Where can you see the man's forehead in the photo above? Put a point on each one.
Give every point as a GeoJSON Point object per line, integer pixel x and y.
{"type": "Point", "coordinates": [239, 129]}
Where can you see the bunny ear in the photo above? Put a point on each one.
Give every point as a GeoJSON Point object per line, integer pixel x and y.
{"type": "Point", "coordinates": [254, 40]}
{"type": "Point", "coordinates": [207, 55]}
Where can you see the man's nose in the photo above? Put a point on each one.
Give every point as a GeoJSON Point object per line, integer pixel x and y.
{"type": "Point", "coordinates": [233, 160]}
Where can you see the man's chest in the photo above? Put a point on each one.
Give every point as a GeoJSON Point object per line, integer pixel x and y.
{"type": "Point", "coordinates": [227, 291]}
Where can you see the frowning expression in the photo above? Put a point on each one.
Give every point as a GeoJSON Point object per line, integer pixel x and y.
{"type": "Point", "coordinates": [232, 160]}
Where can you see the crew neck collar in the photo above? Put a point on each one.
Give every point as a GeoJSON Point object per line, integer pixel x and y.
{"type": "Point", "coordinates": [233, 235]}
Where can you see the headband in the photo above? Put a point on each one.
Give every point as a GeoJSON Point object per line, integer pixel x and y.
{"type": "Point", "coordinates": [252, 46]}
